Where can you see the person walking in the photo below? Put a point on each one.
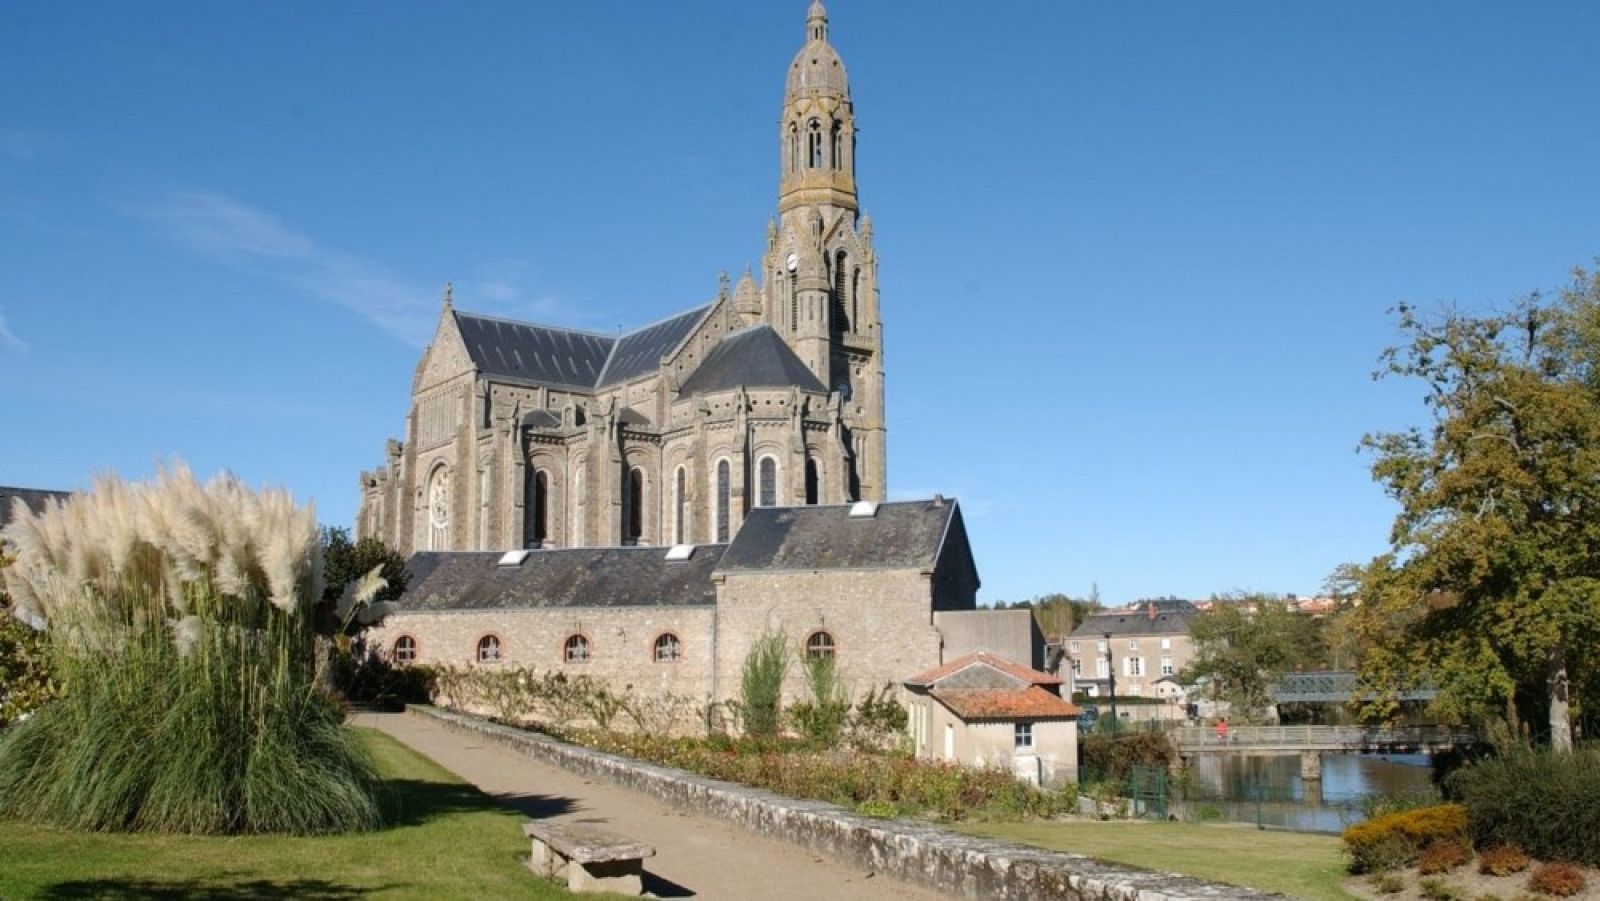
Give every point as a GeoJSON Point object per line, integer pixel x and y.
{"type": "Point", "coordinates": [1222, 731]}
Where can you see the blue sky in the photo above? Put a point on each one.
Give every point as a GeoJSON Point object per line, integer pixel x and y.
{"type": "Point", "coordinates": [1135, 257]}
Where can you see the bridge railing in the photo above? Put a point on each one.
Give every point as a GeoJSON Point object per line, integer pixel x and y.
{"type": "Point", "coordinates": [1324, 736]}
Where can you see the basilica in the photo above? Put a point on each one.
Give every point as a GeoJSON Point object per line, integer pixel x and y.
{"type": "Point", "coordinates": [525, 435]}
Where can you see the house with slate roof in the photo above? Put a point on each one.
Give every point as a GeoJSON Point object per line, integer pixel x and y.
{"type": "Point", "coordinates": [986, 710]}
{"type": "Point", "coordinates": [1142, 643]}
{"type": "Point", "coordinates": [525, 435]}
{"type": "Point", "coordinates": [862, 584]}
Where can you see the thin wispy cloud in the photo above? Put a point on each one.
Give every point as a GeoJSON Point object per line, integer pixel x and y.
{"type": "Point", "coordinates": [8, 338]}
{"type": "Point", "coordinates": [505, 286]}
{"type": "Point", "coordinates": [255, 241]}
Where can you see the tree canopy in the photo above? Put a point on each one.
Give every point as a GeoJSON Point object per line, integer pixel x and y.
{"type": "Point", "coordinates": [1491, 587]}
{"type": "Point", "coordinates": [1247, 642]}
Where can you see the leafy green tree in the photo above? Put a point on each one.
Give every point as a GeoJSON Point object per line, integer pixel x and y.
{"type": "Point", "coordinates": [1056, 613]}
{"type": "Point", "coordinates": [1491, 588]}
{"type": "Point", "coordinates": [1247, 642]}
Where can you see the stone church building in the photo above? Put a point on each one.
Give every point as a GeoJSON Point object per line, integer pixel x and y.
{"type": "Point", "coordinates": [641, 508]}
{"type": "Point", "coordinates": [523, 435]}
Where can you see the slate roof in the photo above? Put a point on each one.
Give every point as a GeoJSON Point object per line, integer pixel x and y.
{"type": "Point", "coordinates": [549, 355]}
{"type": "Point", "coordinates": [1021, 674]}
{"type": "Point", "coordinates": [34, 498]}
{"type": "Point", "coordinates": [570, 577]}
{"type": "Point", "coordinates": [1031, 703]}
{"type": "Point", "coordinates": [902, 534]}
{"type": "Point", "coordinates": [639, 352]}
{"type": "Point", "coordinates": [1168, 616]}
{"type": "Point", "coordinates": [524, 351]}
{"type": "Point", "coordinates": [540, 419]}
{"type": "Point", "coordinates": [755, 357]}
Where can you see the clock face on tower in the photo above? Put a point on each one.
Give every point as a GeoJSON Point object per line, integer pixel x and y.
{"type": "Point", "coordinates": [793, 262]}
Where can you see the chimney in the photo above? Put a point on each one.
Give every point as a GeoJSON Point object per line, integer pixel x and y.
{"type": "Point", "coordinates": [1150, 610]}
{"type": "Point", "coordinates": [938, 500]}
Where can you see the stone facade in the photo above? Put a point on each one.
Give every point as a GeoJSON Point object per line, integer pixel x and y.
{"type": "Point", "coordinates": [1148, 640]}
{"type": "Point", "coordinates": [524, 435]}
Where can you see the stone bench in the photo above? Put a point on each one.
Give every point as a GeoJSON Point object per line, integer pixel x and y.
{"type": "Point", "coordinates": [592, 859]}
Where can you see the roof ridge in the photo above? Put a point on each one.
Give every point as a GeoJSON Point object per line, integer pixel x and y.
{"type": "Point", "coordinates": [529, 323]}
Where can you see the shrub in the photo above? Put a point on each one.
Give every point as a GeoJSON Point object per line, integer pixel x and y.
{"type": "Point", "coordinates": [1398, 839]}
{"type": "Point", "coordinates": [1502, 860]}
{"type": "Point", "coordinates": [1556, 878]}
{"type": "Point", "coordinates": [1442, 857]}
{"type": "Point", "coordinates": [761, 684]}
{"type": "Point", "coordinates": [1112, 757]}
{"type": "Point", "coordinates": [1545, 802]}
{"type": "Point", "coordinates": [1439, 890]}
{"type": "Point", "coordinates": [181, 630]}
{"type": "Point", "coordinates": [25, 679]}
{"type": "Point", "coordinates": [1388, 884]}
{"type": "Point", "coordinates": [822, 719]}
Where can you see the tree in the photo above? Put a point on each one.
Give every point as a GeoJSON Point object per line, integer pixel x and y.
{"type": "Point", "coordinates": [1247, 642]}
{"type": "Point", "coordinates": [1056, 613]}
{"type": "Point", "coordinates": [345, 561]}
{"type": "Point", "coordinates": [1491, 588]}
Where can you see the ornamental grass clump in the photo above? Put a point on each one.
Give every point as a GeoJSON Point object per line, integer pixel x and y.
{"type": "Point", "coordinates": [180, 628]}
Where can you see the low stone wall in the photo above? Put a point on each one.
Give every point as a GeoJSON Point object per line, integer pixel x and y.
{"type": "Point", "coordinates": [926, 855]}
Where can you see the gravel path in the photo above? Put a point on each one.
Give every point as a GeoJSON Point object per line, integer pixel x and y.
{"type": "Point", "coordinates": [696, 856]}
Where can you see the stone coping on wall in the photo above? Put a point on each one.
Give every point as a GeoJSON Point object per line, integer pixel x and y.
{"type": "Point", "coordinates": [945, 861]}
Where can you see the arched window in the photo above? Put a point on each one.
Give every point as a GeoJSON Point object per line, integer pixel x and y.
{"type": "Point", "coordinates": [724, 494]}
{"type": "Point", "coordinates": [813, 483]}
{"type": "Point", "coordinates": [667, 648]}
{"type": "Point", "coordinates": [837, 157]}
{"type": "Point", "coordinates": [633, 507]}
{"type": "Point", "coordinates": [841, 294]}
{"type": "Point", "coordinates": [794, 147]}
{"type": "Point", "coordinates": [815, 144]}
{"type": "Point", "coordinates": [767, 479]}
{"type": "Point", "coordinates": [855, 298]}
{"type": "Point", "coordinates": [489, 649]}
{"type": "Point", "coordinates": [575, 649]}
{"type": "Point", "coordinates": [405, 649]}
{"type": "Point", "coordinates": [536, 510]}
{"type": "Point", "coordinates": [819, 644]}
{"type": "Point", "coordinates": [680, 507]}
{"type": "Point", "coordinates": [439, 510]}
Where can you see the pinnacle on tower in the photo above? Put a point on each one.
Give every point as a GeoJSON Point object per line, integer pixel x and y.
{"type": "Point", "coordinates": [816, 22]}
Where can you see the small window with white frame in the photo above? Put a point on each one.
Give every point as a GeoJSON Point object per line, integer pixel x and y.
{"type": "Point", "coordinates": [1166, 666]}
{"type": "Point", "coordinates": [1133, 644]}
{"type": "Point", "coordinates": [1024, 736]}
{"type": "Point", "coordinates": [489, 649]}
{"type": "Point", "coordinates": [576, 649]}
{"type": "Point", "coordinates": [1133, 666]}
{"type": "Point", "coordinates": [1077, 667]}
{"type": "Point", "coordinates": [1166, 644]}
{"type": "Point", "coordinates": [1073, 646]}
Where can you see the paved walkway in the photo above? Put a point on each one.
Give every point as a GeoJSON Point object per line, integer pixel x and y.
{"type": "Point", "coordinates": [696, 856]}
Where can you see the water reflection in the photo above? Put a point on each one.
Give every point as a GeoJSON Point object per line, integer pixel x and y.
{"type": "Point", "coordinates": [1268, 788]}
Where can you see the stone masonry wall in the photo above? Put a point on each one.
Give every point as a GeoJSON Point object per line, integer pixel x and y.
{"type": "Point", "coordinates": [926, 855]}
{"type": "Point", "coordinates": [880, 621]}
{"type": "Point", "coordinates": [621, 643]}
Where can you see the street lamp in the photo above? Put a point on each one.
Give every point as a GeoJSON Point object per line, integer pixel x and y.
{"type": "Point", "coordinates": [1111, 672]}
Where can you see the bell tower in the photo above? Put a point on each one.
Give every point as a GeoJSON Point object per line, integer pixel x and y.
{"type": "Point", "coordinates": [817, 130]}
{"type": "Point", "coordinates": [820, 270]}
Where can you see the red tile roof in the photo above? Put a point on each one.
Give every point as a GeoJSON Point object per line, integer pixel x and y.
{"type": "Point", "coordinates": [1032, 702]}
{"type": "Point", "coordinates": [985, 658]}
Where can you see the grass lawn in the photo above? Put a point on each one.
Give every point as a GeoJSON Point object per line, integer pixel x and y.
{"type": "Point", "coordinates": [1296, 864]}
{"type": "Point", "coordinates": [445, 839]}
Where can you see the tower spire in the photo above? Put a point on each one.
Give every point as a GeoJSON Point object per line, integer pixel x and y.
{"type": "Point", "coordinates": [816, 22]}
{"type": "Point", "coordinates": [817, 129]}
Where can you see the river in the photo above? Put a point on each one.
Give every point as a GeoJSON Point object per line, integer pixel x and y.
{"type": "Point", "coordinates": [1229, 786]}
